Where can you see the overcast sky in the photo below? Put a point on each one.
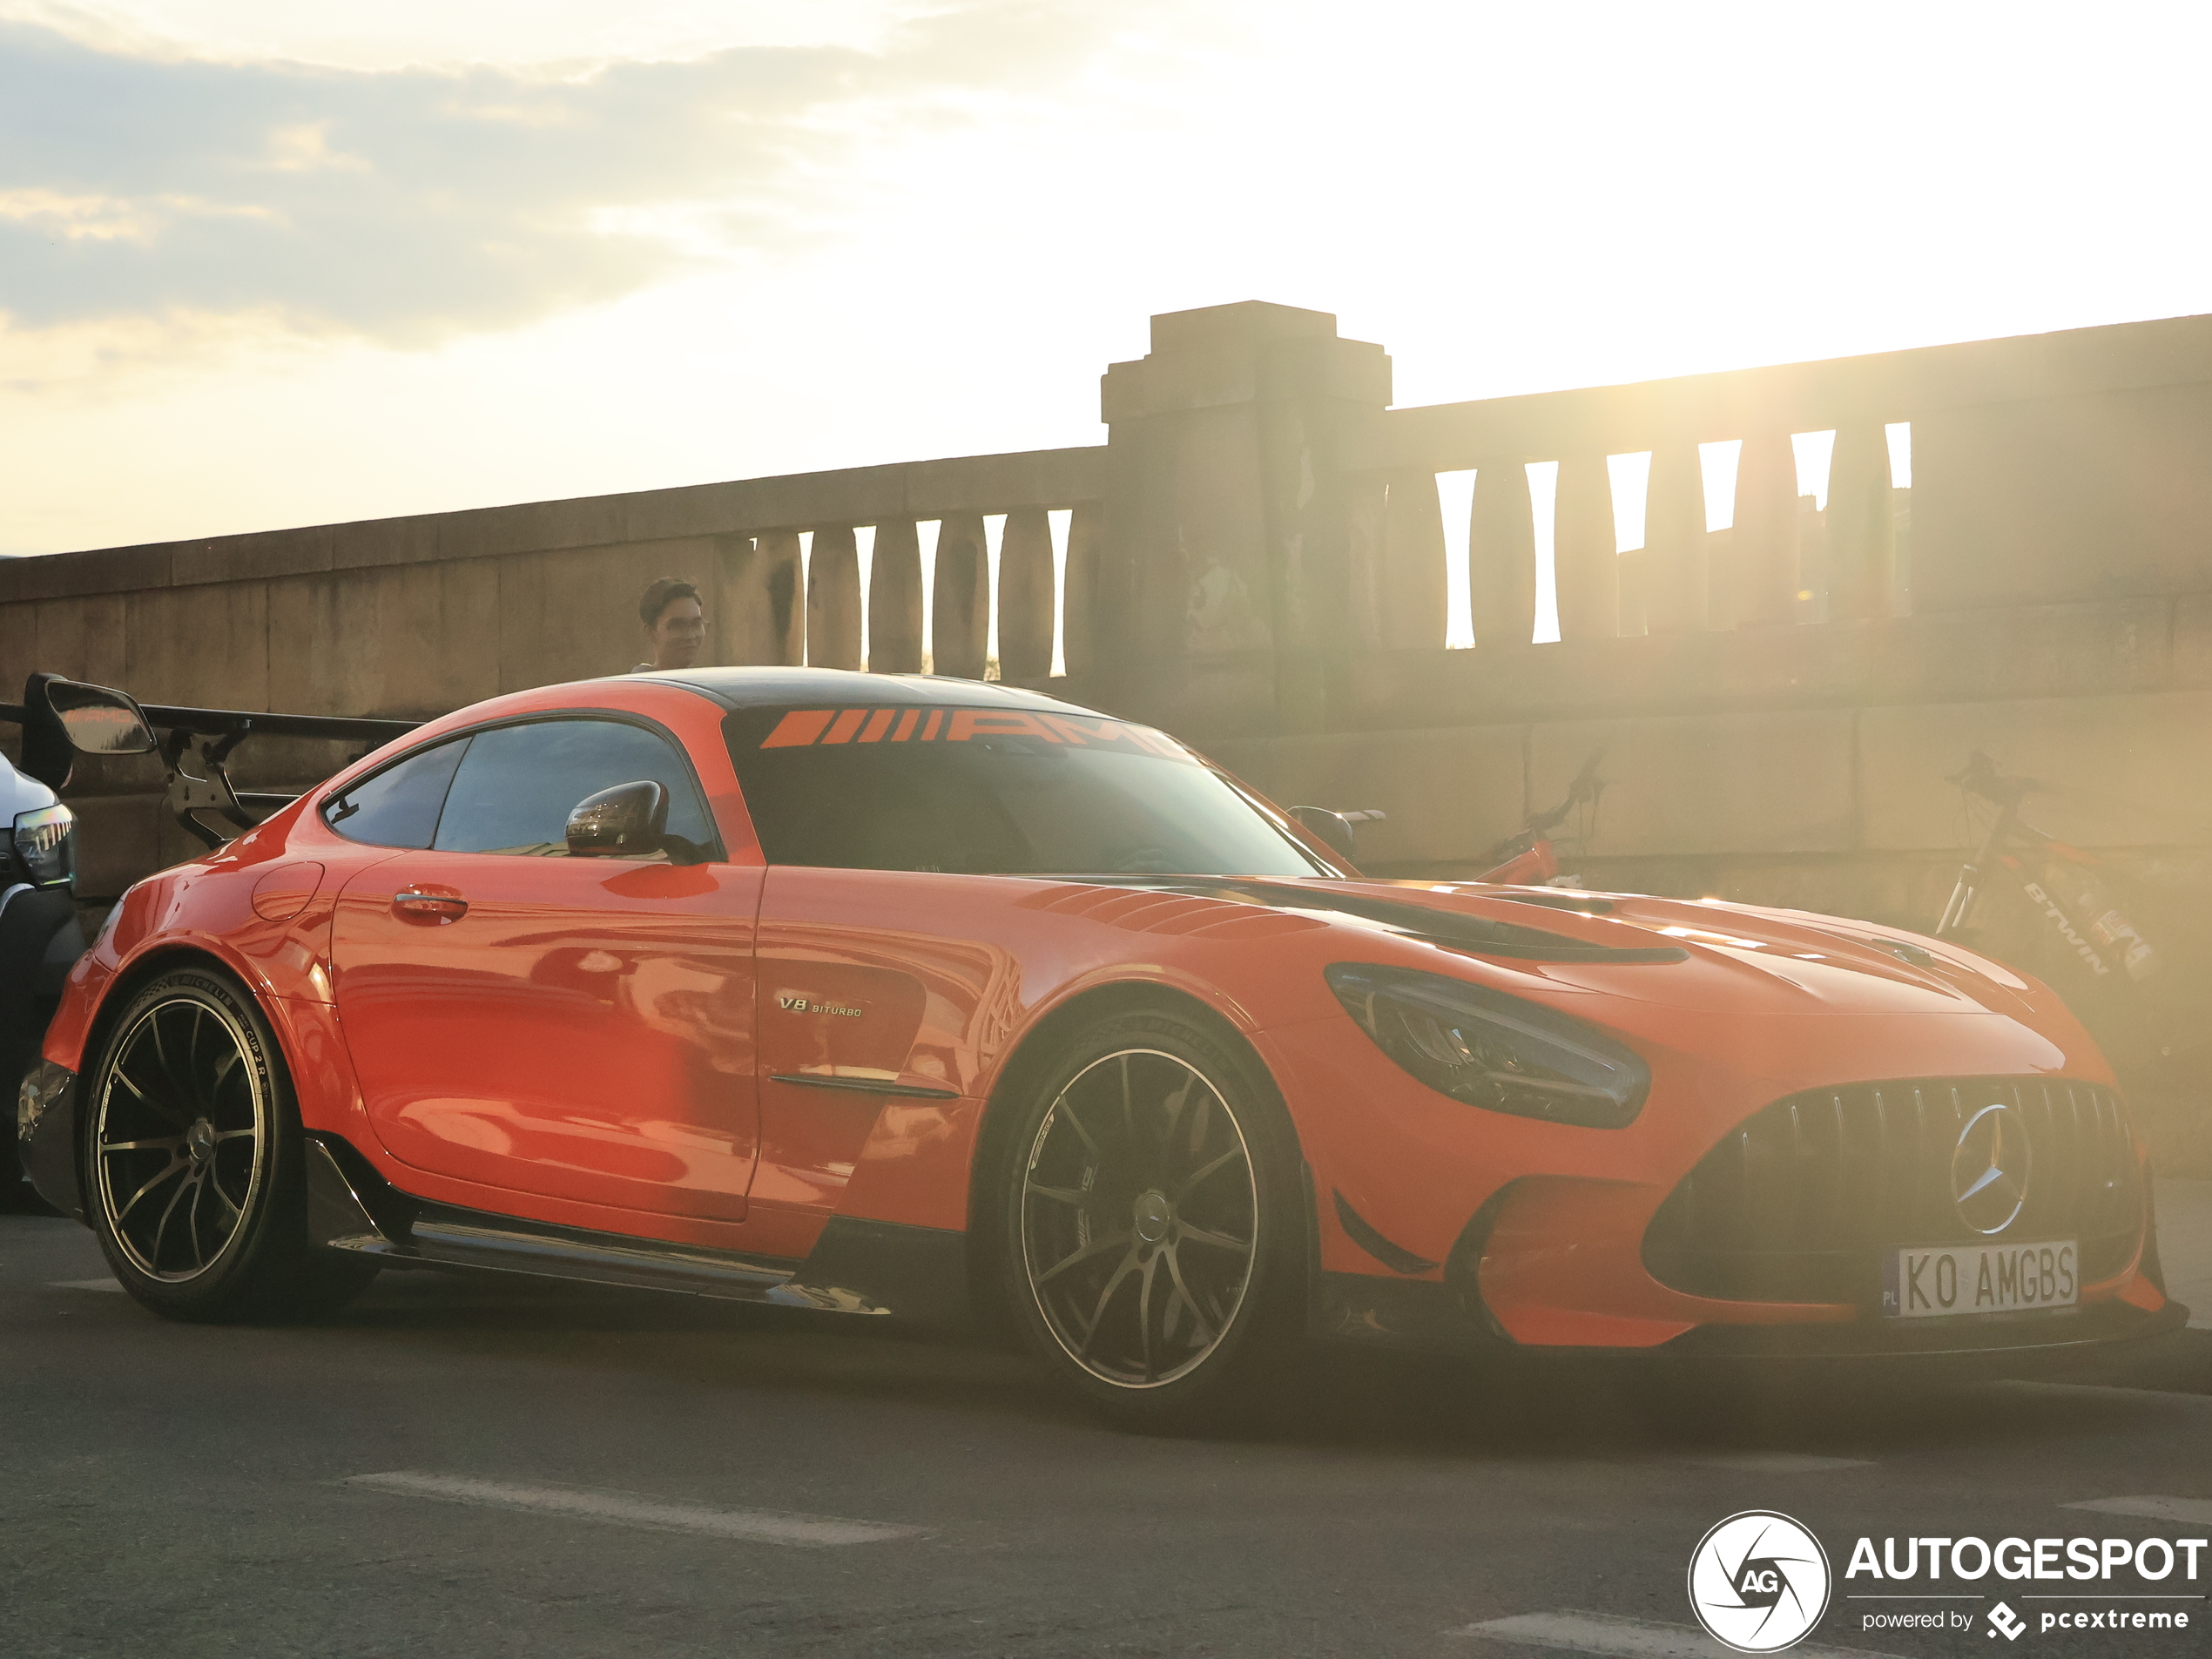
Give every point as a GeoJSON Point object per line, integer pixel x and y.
{"type": "Point", "coordinates": [266, 264]}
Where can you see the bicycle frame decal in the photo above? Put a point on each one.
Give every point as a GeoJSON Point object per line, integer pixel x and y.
{"type": "Point", "coordinates": [2064, 893]}
{"type": "Point", "coordinates": [2058, 919]}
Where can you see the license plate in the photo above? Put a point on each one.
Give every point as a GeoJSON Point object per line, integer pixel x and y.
{"type": "Point", "coordinates": [1980, 1279]}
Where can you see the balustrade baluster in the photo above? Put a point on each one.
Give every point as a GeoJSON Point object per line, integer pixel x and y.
{"type": "Point", "coordinates": [1501, 555]}
{"type": "Point", "coordinates": [1861, 527]}
{"type": "Point", "coordinates": [1025, 595]}
{"type": "Point", "coordinates": [1674, 541]}
{"type": "Point", "coordinates": [1412, 593]}
{"type": "Point", "coordinates": [834, 599]}
{"type": "Point", "coordinates": [1586, 561]}
{"type": "Point", "coordinates": [1079, 608]}
{"type": "Point", "coordinates": [763, 606]}
{"type": "Point", "coordinates": [959, 601]}
{"type": "Point", "coordinates": [894, 599]}
{"type": "Point", "coordinates": [1764, 576]}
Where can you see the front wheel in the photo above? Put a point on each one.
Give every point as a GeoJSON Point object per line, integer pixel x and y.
{"type": "Point", "coordinates": [1154, 1227]}
{"type": "Point", "coordinates": [195, 1161]}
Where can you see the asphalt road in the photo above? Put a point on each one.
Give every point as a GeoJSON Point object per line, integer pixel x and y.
{"type": "Point", "coordinates": [565, 1471]}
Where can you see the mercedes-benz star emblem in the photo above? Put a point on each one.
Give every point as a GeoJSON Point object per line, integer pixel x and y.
{"type": "Point", "coordinates": [1758, 1582]}
{"type": "Point", "coordinates": [1989, 1169]}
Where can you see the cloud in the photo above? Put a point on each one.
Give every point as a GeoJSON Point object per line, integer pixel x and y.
{"type": "Point", "coordinates": [411, 204]}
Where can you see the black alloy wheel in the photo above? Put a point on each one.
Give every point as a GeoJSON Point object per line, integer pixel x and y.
{"type": "Point", "coordinates": [194, 1161]}
{"type": "Point", "coordinates": [1153, 1228]}
{"type": "Point", "coordinates": [183, 1132]}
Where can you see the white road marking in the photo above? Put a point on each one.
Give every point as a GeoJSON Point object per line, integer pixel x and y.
{"type": "Point", "coordinates": [629, 1509]}
{"type": "Point", "coordinates": [2193, 1512]}
{"type": "Point", "coordinates": [85, 1285]}
{"type": "Point", "coordinates": [1775, 1462]}
{"type": "Point", "coordinates": [1631, 1638]}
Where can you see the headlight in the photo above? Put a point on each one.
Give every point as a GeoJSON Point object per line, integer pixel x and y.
{"type": "Point", "coordinates": [1492, 1050]}
{"type": "Point", "coordinates": [46, 842]}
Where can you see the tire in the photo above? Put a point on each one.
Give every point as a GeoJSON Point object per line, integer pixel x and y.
{"type": "Point", "coordinates": [1153, 1227]}
{"type": "Point", "coordinates": [195, 1162]}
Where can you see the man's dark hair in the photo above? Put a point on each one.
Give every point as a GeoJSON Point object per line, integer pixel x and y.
{"type": "Point", "coordinates": [660, 596]}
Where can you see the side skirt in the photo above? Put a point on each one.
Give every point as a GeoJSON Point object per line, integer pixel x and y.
{"type": "Point", "coordinates": [857, 1266]}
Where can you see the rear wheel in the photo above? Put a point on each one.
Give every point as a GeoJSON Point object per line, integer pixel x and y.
{"type": "Point", "coordinates": [194, 1161]}
{"type": "Point", "coordinates": [1153, 1224]}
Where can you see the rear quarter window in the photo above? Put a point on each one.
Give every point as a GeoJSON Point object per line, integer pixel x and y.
{"type": "Point", "coordinates": [398, 807]}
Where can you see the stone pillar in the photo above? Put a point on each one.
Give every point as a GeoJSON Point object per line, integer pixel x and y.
{"type": "Point", "coordinates": [1079, 609]}
{"type": "Point", "coordinates": [1674, 541]}
{"type": "Point", "coordinates": [1763, 569]}
{"type": "Point", "coordinates": [1226, 577]}
{"type": "Point", "coordinates": [1862, 532]}
{"type": "Point", "coordinates": [1025, 595]}
{"type": "Point", "coordinates": [834, 599]}
{"type": "Point", "coordinates": [894, 599]}
{"type": "Point", "coordinates": [1586, 561]}
{"type": "Point", "coordinates": [1501, 555]}
{"type": "Point", "coordinates": [1412, 594]}
{"type": "Point", "coordinates": [959, 600]}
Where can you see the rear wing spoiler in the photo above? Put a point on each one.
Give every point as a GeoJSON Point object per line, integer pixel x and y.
{"type": "Point", "coordinates": [62, 719]}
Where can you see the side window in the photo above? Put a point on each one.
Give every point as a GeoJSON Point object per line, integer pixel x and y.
{"type": "Point", "coordinates": [514, 789]}
{"type": "Point", "coordinates": [399, 805]}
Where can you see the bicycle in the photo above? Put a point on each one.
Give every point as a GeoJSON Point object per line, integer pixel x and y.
{"type": "Point", "coordinates": [1529, 858]}
{"type": "Point", "coordinates": [2108, 960]}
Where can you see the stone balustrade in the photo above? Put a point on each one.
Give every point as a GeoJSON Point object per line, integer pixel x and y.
{"type": "Point", "coordinates": [411, 616]}
{"type": "Point", "coordinates": [1256, 559]}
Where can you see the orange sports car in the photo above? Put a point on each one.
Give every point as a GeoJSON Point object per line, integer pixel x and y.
{"type": "Point", "coordinates": [907, 996]}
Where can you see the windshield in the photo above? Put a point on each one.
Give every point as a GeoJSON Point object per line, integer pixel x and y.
{"type": "Point", "coordinates": [995, 791]}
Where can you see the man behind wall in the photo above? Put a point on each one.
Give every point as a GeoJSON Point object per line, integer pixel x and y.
{"type": "Point", "coordinates": [675, 625]}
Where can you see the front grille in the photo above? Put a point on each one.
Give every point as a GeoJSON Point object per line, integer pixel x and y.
{"type": "Point", "coordinates": [1802, 1199]}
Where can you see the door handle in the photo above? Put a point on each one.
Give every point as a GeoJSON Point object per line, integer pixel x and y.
{"type": "Point", "coordinates": [411, 905]}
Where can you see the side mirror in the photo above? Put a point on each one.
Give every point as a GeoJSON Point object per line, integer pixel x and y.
{"type": "Point", "coordinates": [99, 721]}
{"type": "Point", "coordinates": [628, 821]}
{"type": "Point", "coordinates": [1337, 830]}
{"type": "Point", "coordinates": [1329, 828]}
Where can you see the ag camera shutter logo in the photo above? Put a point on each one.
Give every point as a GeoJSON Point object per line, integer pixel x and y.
{"type": "Point", "coordinates": [1758, 1582]}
